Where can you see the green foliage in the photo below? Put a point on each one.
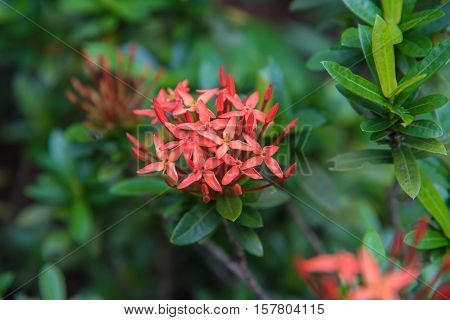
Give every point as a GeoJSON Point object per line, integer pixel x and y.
{"type": "Point", "coordinates": [430, 240]}
{"type": "Point", "coordinates": [195, 225]}
{"type": "Point", "coordinates": [229, 207]}
{"type": "Point", "coordinates": [406, 170]}
{"type": "Point", "coordinates": [52, 285]}
{"type": "Point", "coordinates": [372, 241]}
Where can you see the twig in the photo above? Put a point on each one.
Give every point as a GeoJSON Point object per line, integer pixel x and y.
{"type": "Point", "coordinates": [392, 206]}
{"type": "Point", "coordinates": [310, 235]}
{"type": "Point", "coordinates": [241, 262]}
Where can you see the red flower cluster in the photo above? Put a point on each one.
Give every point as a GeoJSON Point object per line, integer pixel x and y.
{"type": "Point", "coordinates": [372, 284]}
{"type": "Point", "coordinates": [220, 145]}
{"type": "Point", "coordinates": [109, 104]}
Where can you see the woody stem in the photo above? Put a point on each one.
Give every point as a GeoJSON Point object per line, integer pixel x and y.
{"type": "Point", "coordinates": [241, 262]}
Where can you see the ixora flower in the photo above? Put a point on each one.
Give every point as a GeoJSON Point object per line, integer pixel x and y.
{"type": "Point", "coordinates": [360, 277]}
{"type": "Point", "coordinates": [115, 94]}
{"type": "Point", "coordinates": [218, 146]}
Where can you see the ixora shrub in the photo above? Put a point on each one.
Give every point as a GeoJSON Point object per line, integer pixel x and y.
{"type": "Point", "coordinates": [214, 153]}
{"type": "Point", "coordinates": [400, 54]}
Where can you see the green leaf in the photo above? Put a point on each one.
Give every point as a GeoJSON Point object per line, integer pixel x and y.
{"type": "Point", "coordinates": [229, 207]}
{"type": "Point", "coordinates": [431, 240]}
{"type": "Point", "coordinates": [195, 225]}
{"type": "Point", "coordinates": [249, 240]}
{"type": "Point", "coordinates": [350, 38]}
{"type": "Point", "coordinates": [80, 221]}
{"type": "Point", "coordinates": [392, 10]}
{"type": "Point", "coordinates": [403, 114]}
{"type": "Point", "coordinates": [364, 9]}
{"type": "Point", "coordinates": [52, 285]}
{"type": "Point", "coordinates": [421, 18]}
{"type": "Point", "coordinates": [427, 104]}
{"type": "Point", "coordinates": [422, 129]}
{"type": "Point", "coordinates": [139, 185]}
{"type": "Point", "coordinates": [404, 85]}
{"type": "Point", "coordinates": [250, 218]}
{"type": "Point", "coordinates": [365, 37]}
{"type": "Point", "coordinates": [432, 201]}
{"type": "Point", "coordinates": [379, 135]}
{"type": "Point", "coordinates": [429, 65]}
{"type": "Point", "coordinates": [357, 159]}
{"type": "Point", "coordinates": [429, 145]}
{"type": "Point", "coordinates": [354, 83]}
{"type": "Point", "coordinates": [373, 242]}
{"type": "Point", "coordinates": [361, 102]}
{"type": "Point", "coordinates": [395, 32]}
{"type": "Point", "coordinates": [408, 8]}
{"type": "Point", "coordinates": [406, 170]}
{"type": "Point", "coordinates": [6, 280]}
{"type": "Point", "coordinates": [375, 125]}
{"type": "Point", "coordinates": [415, 46]}
{"type": "Point", "coordinates": [384, 57]}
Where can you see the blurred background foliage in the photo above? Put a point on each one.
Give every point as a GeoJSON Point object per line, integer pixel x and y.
{"type": "Point", "coordinates": [56, 178]}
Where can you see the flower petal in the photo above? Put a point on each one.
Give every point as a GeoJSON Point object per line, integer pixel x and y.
{"type": "Point", "coordinates": [222, 150]}
{"type": "Point", "coordinates": [235, 101]}
{"type": "Point", "coordinates": [252, 162]}
{"type": "Point", "coordinates": [230, 175]}
{"type": "Point", "coordinates": [187, 98]}
{"type": "Point", "coordinates": [232, 114]}
{"type": "Point", "coordinates": [252, 173]}
{"type": "Point", "coordinates": [211, 180]}
{"type": "Point", "coordinates": [240, 145]}
{"type": "Point", "coordinates": [212, 163]}
{"type": "Point", "coordinates": [152, 167]}
{"type": "Point", "coordinates": [230, 129]}
{"type": "Point", "coordinates": [190, 179]}
{"type": "Point", "coordinates": [159, 147]}
{"type": "Point", "coordinates": [369, 268]}
{"type": "Point", "coordinates": [273, 166]}
{"type": "Point", "coordinates": [270, 150]}
{"type": "Point", "coordinates": [177, 133]}
{"type": "Point", "coordinates": [252, 101]}
{"type": "Point", "coordinates": [172, 172]}
{"type": "Point", "coordinates": [211, 136]}
{"type": "Point", "coordinates": [207, 94]}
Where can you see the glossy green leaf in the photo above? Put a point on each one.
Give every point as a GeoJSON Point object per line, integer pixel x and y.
{"type": "Point", "coordinates": [140, 185]}
{"type": "Point", "coordinates": [430, 240]}
{"type": "Point", "coordinates": [350, 38]}
{"type": "Point", "coordinates": [364, 9]}
{"type": "Point", "coordinates": [374, 244]}
{"type": "Point", "coordinates": [392, 10]}
{"type": "Point", "coordinates": [421, 18]}
{"type": "Point", "coordinates": [229, 207]}
{"type": "Point", "coordinates": [78, 132]}
{"type": "Point", "coordinates": [403, 114]}
{"type": "Point", "coordinates": [432, 201]}
{"type": "Point", "coordinates": [356, 160]}
{"type": "Point", "coordinates": [415, 46]}
{"type": "Point", "coordinates": [249, 240]}
{"type": "Point", "coordinates": [362, 103]}
{"type": "Point", "coordinates": [365, 37]}
{"type": "Point", "coordinates": [429, 65]}
{"type": "Point", "coordinates": [395, 32]}
{"type": "Point", "coordinates": [405, 85]}
{"type": "Point", "coordinates": [195, 225]}
{"type": "Point", "coordinates": [52, 285]}
{"type": "Point", "coordinates": [429, 145]}
{"type": "Point", "coordinates": [384, 57]}
{"type": "Point", "coordinates": [354, 83]}
{"type": "Point", "coordinates": [6, 279]}
{"type": "Point", "coordinates": [406, 170]}
{"type": "Point", "coordinates": [80, 221]}
{"type": "Point", "coordinates": [375, 125]}
{"type": "Point", "coordinates": [379, 135]}
{"type": "Point", "coordinates": [422, 129]}
{"type": "Point", "coordinates": [427, 104]}
{"type": "Point", "coordinates": [250, 218]}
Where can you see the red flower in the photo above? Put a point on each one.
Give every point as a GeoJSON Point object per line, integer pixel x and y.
{"type": "Point", "coordinates": [219, 147]}
{"type": "Point", "coordinates": [378, 286]}
{"type": "Point", "coordinates": [167, 163]}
